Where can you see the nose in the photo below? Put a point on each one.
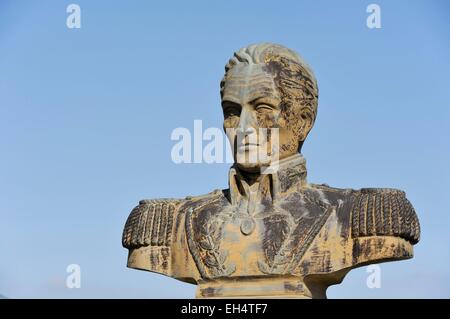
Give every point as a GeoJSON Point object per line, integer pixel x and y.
{"type": "Point", "coordinates": [247, 122]}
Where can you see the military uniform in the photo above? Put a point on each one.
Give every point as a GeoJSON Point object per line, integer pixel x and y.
{"type": "Point", "coordinates": [280, 236]}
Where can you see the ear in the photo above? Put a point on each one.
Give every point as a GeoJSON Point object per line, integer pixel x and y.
{"type": "Point", "coordinates": [306, 123]}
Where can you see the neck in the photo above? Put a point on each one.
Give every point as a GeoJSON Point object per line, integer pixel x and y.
{"type": "Point", "coordinates": [250, 177]}
{"type": "Point", "coordinates": [280, 176]}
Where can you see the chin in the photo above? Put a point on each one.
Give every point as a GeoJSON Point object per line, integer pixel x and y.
{"type": "Point", "coordinates": [251, 167]}
{"type": "Point", "coordinates": [247, 167]}
{"type": "Point", "coordinates": [243, 162]}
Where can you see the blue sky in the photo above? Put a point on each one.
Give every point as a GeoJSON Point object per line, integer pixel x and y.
{"type": "Point", "coordinates": [86, 116]}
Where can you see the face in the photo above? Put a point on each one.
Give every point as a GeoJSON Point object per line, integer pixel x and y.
{"type": "Point", "coordinates": [255, 120]}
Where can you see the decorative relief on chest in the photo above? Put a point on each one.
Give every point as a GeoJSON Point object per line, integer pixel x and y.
{"type": "Point", "coordinates": [289, 235]}
{"type": "Point", "coordinates": [284, 233]}
{"type": "Point", "coordinates": [205, 232]}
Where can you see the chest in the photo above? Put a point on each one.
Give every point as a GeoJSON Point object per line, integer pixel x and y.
{"type": "Point", "coordinates": [252, 240]}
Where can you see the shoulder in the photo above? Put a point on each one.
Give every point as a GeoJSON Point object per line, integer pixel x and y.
{"type": "Point", "coordinates": [200, 200]}
{"type": "Point", "coordinates": [332, 195]}
{"type": "Point", "coordinates": [383, 212]}
{"type": "Point", "coordinates": [151, 222]}
{"type": "Point", "coordinates": [374, 211]}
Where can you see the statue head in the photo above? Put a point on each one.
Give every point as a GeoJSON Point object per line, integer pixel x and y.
{"type": "Point", "coordinates": [267, 86]}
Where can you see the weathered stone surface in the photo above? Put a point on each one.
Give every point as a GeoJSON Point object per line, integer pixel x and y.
{"type": "Point", "coordinates": [270, 234]}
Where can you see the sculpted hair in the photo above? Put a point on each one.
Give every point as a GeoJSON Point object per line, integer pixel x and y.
{"type": "Point", "coordinates": [292, 75]}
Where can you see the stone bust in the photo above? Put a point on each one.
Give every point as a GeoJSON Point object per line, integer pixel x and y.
{"type": "Point", "coordinates": [271, 233]}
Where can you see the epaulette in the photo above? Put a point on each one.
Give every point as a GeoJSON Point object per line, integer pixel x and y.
{"type": "Point", "coordinates": [384, 212]}
{"type": "Point", "coordinates": [150, 223]}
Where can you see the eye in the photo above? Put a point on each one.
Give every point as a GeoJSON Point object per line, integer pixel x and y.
{"type": "Point", "coordinates": [263, 108]}
{"type": "Point", "coordinates": [231, 110]}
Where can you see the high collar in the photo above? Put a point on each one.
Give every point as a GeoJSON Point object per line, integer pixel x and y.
{"type": "Point", "coordinates": [277, 179]}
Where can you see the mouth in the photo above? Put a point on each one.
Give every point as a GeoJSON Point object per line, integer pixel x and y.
{"type": "Point", "coordinates": [248, 146]}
